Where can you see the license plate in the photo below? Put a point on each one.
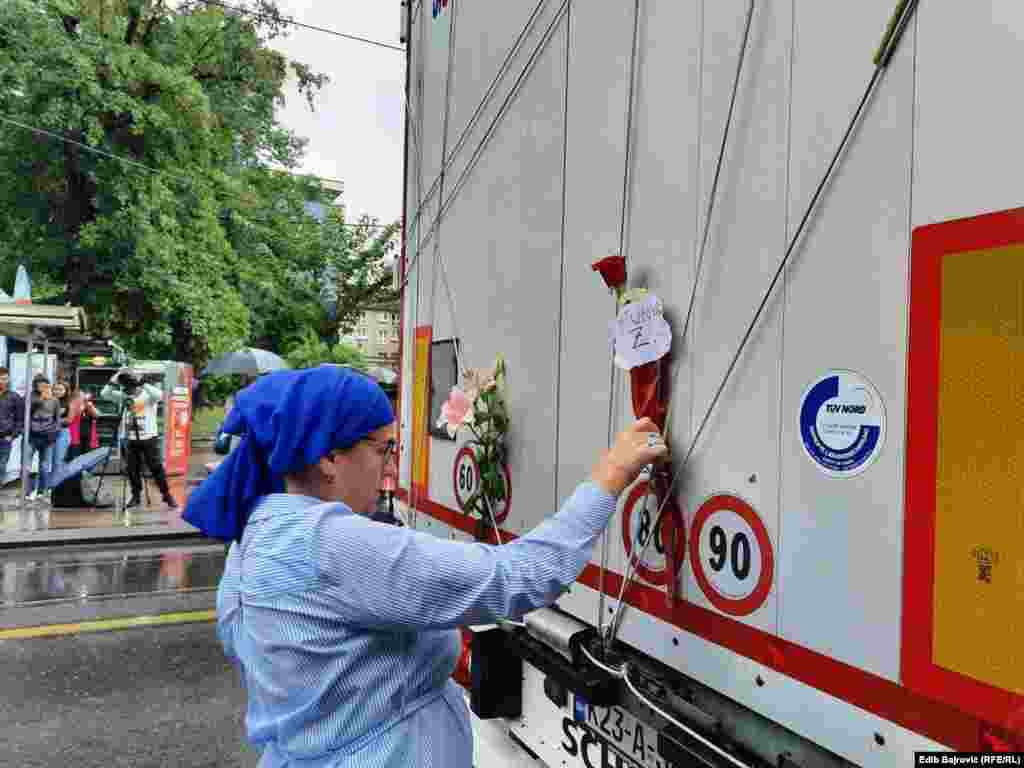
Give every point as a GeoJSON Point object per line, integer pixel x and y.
{"type": "Point", "coordinates": [599, 737]}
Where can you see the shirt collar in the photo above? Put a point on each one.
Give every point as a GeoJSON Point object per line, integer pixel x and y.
{"type": "Point", "coordinates": [295, 502]}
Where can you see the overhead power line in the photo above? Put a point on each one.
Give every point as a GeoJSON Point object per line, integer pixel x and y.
{"type": "Point", "coordinates": [294, 23]}
{"type": "Point", "coordinates": [136, 164]}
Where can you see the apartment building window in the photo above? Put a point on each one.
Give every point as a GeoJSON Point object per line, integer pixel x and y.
{"type": "Point", "coordinates": [382, 335]}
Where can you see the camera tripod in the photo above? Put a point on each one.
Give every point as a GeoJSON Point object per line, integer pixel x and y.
{"type": "Point", "coordinates": [122, 443]}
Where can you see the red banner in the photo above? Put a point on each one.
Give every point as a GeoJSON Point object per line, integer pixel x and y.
{"type": "Point", "coordinates": [178, 423]}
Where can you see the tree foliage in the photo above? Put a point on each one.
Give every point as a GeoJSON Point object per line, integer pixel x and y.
{"type": "Point", "coordinates": [359, 277]}
{"type": "Point", "coordinates": [310, 351]}
{"type": "Point", "coordinates": [138, 147]}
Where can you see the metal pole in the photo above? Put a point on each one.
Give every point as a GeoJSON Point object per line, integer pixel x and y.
{"type": "Point", "coordinates": [28, 416]}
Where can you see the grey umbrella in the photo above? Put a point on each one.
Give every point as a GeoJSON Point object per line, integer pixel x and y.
{"type": "Point", "coordinates": [249, 361]}
{"type": "Point", "coordinates": [382, 375]}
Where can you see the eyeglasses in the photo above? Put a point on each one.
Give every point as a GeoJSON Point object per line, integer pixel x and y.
{"type": "Point", "coordinates": [389, 447]}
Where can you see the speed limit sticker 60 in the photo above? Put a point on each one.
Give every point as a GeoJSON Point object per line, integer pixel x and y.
{"type": "Point", "coordinates": [731, 555]}
{"type": "Point", "coordinates": [465, 475]}
{"type": "Point", "coordinates": [466, 481]}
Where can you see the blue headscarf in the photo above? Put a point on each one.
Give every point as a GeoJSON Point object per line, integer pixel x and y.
{"type": "Point", "coordinates": [288, 420]}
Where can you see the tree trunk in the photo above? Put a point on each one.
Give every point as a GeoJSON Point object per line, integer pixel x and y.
{"type": "Point", "coordinates": [184, 348]}
{"type": "Point", "coordinates": [78, 210]}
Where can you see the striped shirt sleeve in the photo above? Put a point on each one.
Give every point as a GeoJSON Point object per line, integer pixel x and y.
{"type": "Point", "coordinates": [379, 577]}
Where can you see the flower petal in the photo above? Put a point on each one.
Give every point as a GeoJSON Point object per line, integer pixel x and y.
{"type": "Point", "coordinates": [612, 270]}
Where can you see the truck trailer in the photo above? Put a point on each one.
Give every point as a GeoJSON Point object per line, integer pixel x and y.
{"type": "Point", "coordinates": [820, 204]}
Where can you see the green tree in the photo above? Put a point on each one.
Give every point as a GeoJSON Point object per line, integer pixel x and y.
{"type": "Point", "coordinates": [309, 351]}
{"type": "Point", "coordinates": [282, 262]}
{"type": "Point", "coordinates": [172, 262]}
{"type": "Point", "coordinates": [357, 258]}
{"type": "Point", "coordinates": [293, 267]}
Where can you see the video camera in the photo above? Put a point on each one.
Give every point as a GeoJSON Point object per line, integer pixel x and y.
{"type": "Point", "coordinates": [128, 380]}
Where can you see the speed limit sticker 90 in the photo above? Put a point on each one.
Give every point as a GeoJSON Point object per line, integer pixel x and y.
{"type": "Point", "coordinates": [731, 555]}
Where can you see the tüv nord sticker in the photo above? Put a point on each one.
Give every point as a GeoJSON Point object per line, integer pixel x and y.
{"type": "Point", "coordinates": [842, 423]}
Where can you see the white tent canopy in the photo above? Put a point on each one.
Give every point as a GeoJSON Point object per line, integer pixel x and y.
{"type": "Point", "coordinates": [25, 321]}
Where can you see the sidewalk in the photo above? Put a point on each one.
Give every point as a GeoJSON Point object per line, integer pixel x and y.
{"type": "Point", "coordinates": [37, 521]}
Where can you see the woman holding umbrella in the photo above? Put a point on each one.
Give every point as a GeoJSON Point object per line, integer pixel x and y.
{"type": "Point", "coordinates": [249, 363]}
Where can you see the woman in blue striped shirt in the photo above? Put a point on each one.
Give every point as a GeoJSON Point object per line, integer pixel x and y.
{"type": "Point", "coordinates": [344, 629]}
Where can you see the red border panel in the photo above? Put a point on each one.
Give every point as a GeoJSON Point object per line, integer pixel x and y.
{"type": "Point", "coordinates": [930, 244]}
{"type": "Point", "coordinates": [421, 492]}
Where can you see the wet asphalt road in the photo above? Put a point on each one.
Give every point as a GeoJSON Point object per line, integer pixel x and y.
{"type": "Point", "coordinates": [140, 696]}
{"type": "Point", "coordinates": [162, 696]}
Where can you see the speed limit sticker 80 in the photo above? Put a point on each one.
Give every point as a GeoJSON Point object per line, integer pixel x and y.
{"type": "Point", "coordinates": [731, 555]}
{"type": "Point", "coordinates": [638, 518]}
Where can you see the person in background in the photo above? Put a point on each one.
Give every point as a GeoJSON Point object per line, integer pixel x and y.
{"type": "Point", "coordinates": [60, 448]}
{"type": "Point", "coordinates": [344, 629]}
{"type": "Point", "coordinates": [138, 431]}
{"type": "Point", "coordinates": [12, 419]}
{"type": "Point", "coordinates": [44, 428]}
{"type": "Point", "coordinates": [69, 493]}
{"type": "Point", "coordinates": [88, 426]}
{"type": "Point", "coordinates": [225, 443]}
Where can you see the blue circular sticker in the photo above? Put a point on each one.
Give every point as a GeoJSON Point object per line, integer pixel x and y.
{"type": "Point", "coordinates": [842, 423]}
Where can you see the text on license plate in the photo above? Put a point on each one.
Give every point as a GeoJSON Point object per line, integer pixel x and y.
{"type": "Point", "coordinates": [597, 737]}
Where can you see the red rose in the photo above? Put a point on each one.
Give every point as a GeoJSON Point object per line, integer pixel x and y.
{"type": "Point", "coordinates": [612, 269]}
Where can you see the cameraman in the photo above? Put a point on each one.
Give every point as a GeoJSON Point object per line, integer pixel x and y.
{"type": "Point", "coordinates": [138, 431]}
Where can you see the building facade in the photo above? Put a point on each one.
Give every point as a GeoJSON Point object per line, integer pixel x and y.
{"type": "Point", "coordinates": [376, 334]}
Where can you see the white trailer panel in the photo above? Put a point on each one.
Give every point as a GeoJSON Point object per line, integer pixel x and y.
{"type": "Point", "coordinates": [600, 151]}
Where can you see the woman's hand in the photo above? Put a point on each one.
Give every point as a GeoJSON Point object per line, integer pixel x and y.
{"type": "Point", "coordinates": [636, 446]}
